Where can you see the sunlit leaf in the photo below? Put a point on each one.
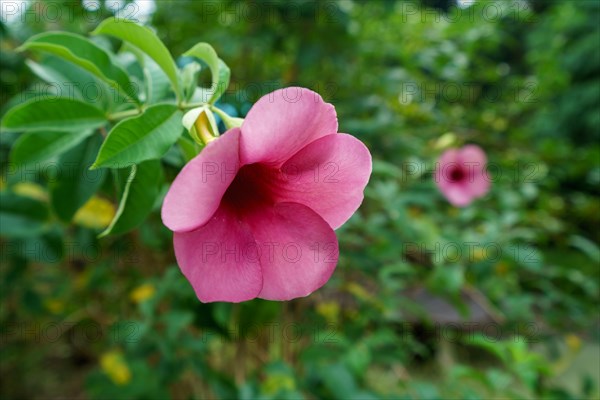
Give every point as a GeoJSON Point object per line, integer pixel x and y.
{"type": "Point", "coordinates": [145, 137]}
{"type": "Point", "coordinates": [53, 114]}
{"type": "Point", "coordinates": [147, 41]}
{"type": "Point", "coordinates": [220, 72]}
{"type": "Point", "coordinates": [84, 53]}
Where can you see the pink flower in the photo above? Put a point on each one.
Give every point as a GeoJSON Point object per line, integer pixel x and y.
{"type": "Point", "coordinates": [461, 176]}
{"type": "Point", "coordinates": [253, 214]}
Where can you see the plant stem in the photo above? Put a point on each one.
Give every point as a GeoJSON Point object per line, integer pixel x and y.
{"type": "Point", "coordinates": [137, 111]}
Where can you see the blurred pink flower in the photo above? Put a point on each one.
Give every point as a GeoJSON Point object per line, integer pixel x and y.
{"type": "Point", "coordinates": [461, 175]}
{"type": "Point", "coordinates": [254, 212]}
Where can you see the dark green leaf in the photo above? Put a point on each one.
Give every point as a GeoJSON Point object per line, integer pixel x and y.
{"type": "Point", "coordinates": [21, 216]}
{"type": "Point", "coordinates": [139, 193]}
{"type": "Point", "coordinates": [33, 147]}
{"type": "Point", "coordinates": [74, 184]}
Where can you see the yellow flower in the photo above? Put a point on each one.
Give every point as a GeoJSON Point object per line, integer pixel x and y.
{"type": "Point", "coordinates": [97, 213]}
{"type": "Point", "coordinates": [114, 365]}
{"type": "Point", "coordinates": [142, 293]}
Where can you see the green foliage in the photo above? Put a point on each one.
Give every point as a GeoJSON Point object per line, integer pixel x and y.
{"type": "Point", "coordinates": [219, 71]}
{"type": "Point", "coordinates": [140, 191]}
{"type": "Point", "coordinates": [56, 114]}
{"type": "Point", "coordinates": [145, 40]}
{"type": "Point", "coordinates": [34, 147]}
{"type": "Point", "coordinates": [145, 137]}
{"type": "Point", "coordinates": [74, 184]}
{"type": "Point", "coordinates": [83, 53]}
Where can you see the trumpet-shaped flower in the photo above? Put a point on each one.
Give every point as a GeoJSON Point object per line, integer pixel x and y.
{"type": "Point", "coordinates": [461, 175]}
{"type": "Point", "coordinates": [254, 213]}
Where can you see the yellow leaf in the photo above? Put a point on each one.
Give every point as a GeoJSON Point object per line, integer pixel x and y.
{"type": "Point", "coordinates": [573, 342]}
{"type": "Point", "coordinates": [31, 190]}
{"type": "Point", "coordinates": [330, 310]}
{"type": "Point", "coordinates": [97, 213]}
{"type": "Point", "coordinates": [114, 365]}
{"type": "Point", "coordinates": [54, 306]}
{"type": "Point", "coordinates": [142, 293]}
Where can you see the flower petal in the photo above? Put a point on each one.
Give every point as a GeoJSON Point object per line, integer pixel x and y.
{"type": "Point", "coordinates": [283, 122]}
{"type": "Point", "coordinates": [219, 259]}
{"type": "Point", "coordinates": [446, 163]}
{"type": "Point", "coordinates": [472, 155]}
{"type": "Point", "coordinates": [479, 184]}
{"type": "Point", "coordinates": [458, 194]}
{"type": "Point", "coordinates": [329, 176]}
{"type": "Point", "coordinates": [299, 250]}
{"type": "Point", "coordinates": [475, 160]}
{"type": "Point", "coordinates": [196, 193]}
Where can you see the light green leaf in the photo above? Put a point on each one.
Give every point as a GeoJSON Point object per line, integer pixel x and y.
{"type": "Point", "coordinates": [21, 216]}
{"type": "Point", "coordinates": [71, 81]}
{"type": "Point", "coordinates": [53, 114]}
{"type": "Point", "coordinates": [220, 73]}
{"type": "Point", "coordinates": [157, 83]}
{"type": "Point", "coordinates": [147, 41]}
{"type": "Point", "coordinates": [141, 188]}
{"type": "Point", "coordinates": [84, 53]}
{"type": "Point", "coordinates": [34, 147]}
{"type": "Point", "coordinates": [189, 77]}
{"type": "Point", "coordinates": [228, 121]}
{"type": "Point", "coordinates": [145, 137]}
{"type": "Point", "coordinates": [74, 184]}
{"type": "Point", "coordinates": [201, 117]}
{"type": "Point", "coordinates": [189, 148]}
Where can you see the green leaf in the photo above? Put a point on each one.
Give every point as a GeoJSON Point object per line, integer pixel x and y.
{"type": "Point", "coordinates": [339, 381]}
{"type": "Point", "coordinates": [228, 121]}
{"type": "Point", "coordinates": [140, 191]}
{"type": "Point", "coordinates": [189, 149]}
{"type": "Point", "coordinates": [84, 53]}
{"type": "Point", "coordinates": [69, 80]}
{"type": "Point", "coordinates": [201, 124]}
{"type": "Point", "coordinates": [219, 71]}
{"type": "Point", "coordinates": [55, 114]}
{"type": "Point", "coordinates": [145, 137]}
{"type": "Point", "coordinates": [21, 216]}
{"type": "Point", "coordinates": [47, 248]}
{"type": "Point", "coordinates": [147, 41]}
{"type": "Point", "coordinates": [34, 147]}
{"type": "Point", "coordinates": [157, 83]}
{"type": "Point", "coordinates": [74, 184]}
{"type": "Point", "coordinates": [189, 77]}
